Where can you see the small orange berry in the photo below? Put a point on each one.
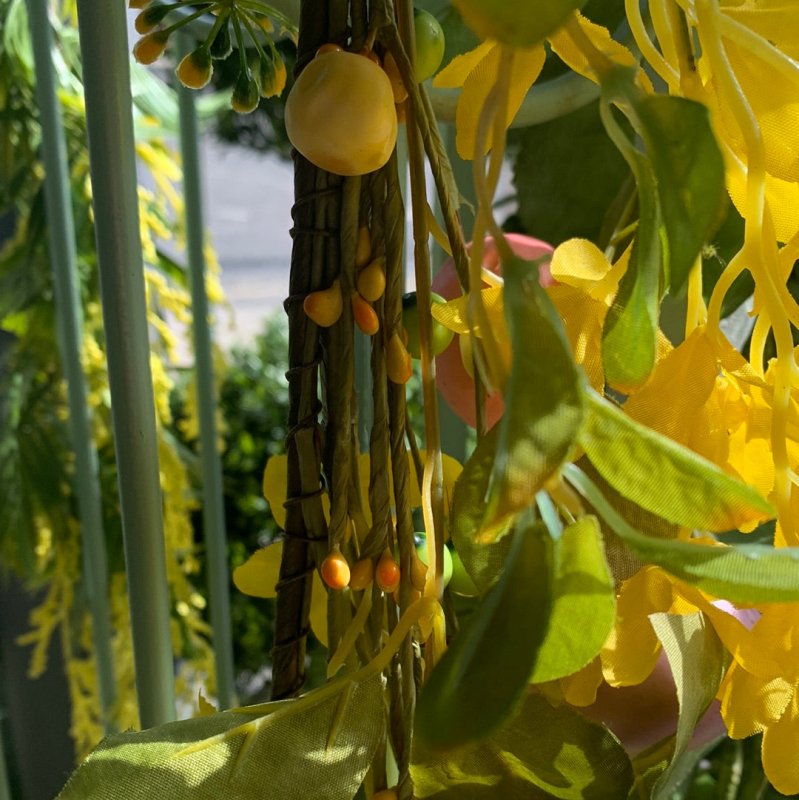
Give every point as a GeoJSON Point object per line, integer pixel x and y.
{"type": "Point", "coordinates": [362, 574]}
{"type": "Point", "coordinates": [365, 316]}
{"type": "Point", "coordinates": [335, 570]}
{"type": "Point", "coordinates": [325, 306]}
{"type": "Point", "coordinates": [386, 794]}
{"type": "Point", "coordinates": [363, 249]}
{"type": "Point", "coordinates": [330, 47]}
{"type": "Point", "coordinates": [387, 573]}
{"type": "Point", "coordinates": [372, 280]}
{"type": "Point", "coordinates": [398, 360]}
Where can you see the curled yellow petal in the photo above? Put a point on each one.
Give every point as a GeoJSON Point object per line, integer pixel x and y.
{"type": "Point", "coordinates": [259, 574]}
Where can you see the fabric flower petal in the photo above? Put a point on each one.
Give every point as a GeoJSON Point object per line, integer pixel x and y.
{"type": "Point", "coordinates": [779, 751]}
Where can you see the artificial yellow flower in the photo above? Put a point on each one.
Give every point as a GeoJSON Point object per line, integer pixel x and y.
{"type": "Point", "coordinates": [760, 692]}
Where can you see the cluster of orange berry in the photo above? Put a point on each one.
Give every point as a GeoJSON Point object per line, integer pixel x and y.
{"type": "Point", "coordinates": [261, 75]}
{"type": "Point", "coordinates": [325, 306]}
{"type": "Point", "coordinates": [337, 573]}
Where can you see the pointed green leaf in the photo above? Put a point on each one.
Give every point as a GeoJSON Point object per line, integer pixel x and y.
{"type": "Point", "coordinates": [689, 170]}
{"type": "Point", "coordinates": [543, 400]}
{"type": "Point", "coordinates": [629, 337]}
{"type": "Point", "coordinates": [664, 477]}
{"type": "Point", "coordinates": [479, 680]}
{"type": "Point", "coordinates": [583, 603]}
{"type": "Point", "coordinates": [483, 562]}
{"type": "Point", "coordinates": [542, 752]}
{"type": "Point", "coordinates": [745, 573]}
{"type": "Point", "coordinates": [286, 755]}
{"type": "Point", "coordinates": [697, 660]}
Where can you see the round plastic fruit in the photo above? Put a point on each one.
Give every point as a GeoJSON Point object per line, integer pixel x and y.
{"type": "Point", "coordinates": [516, 22]}
{"type": "Point", "coordinates": [340, 114]}
{"type": "Point", "coordinates": [387, 574]}
{"type": "Point", "coordinates": [452, 379]}
{"type": "Point", "coordinates": [410, 320]}
{"type": "Point", "coordinates": [430, 43]}
{"type": "Point", "coordinates": [421, 551]}
{"type": "Point", "coordinates": [335, 570]}
{"type": "Point", "coordinates": [461, 582]}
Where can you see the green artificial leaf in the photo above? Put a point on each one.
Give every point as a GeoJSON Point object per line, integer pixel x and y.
{"type": "Point", "coordinates": [583, 603]}
{"type": "Point", "coordinates": [664, 477]}
{"type": "Point", "coordinates": [746, 573]}
{"type": "Point", "coordinates": [519, 23]}
{"type": "Point", "coordinates": [622, 561]}
{"type": "Point", "coordinates": [689, 174]}
{"type": "Point", "coordinates": [577, 171]}
{"type": "Point", "coordinates": [697, 661]}
{"type": "Point", "coordinates": [301, 749]}
{"type": "Point", "coordinates": [544, 400]}
{"type": "Point", "coordinates": [542, 752]}
{"type": "Point", "coordinates": [483, 562]}
{"type": "Point", "coordinates": [629, 337]}
{"type": "Point", "coordinates": [478, 681]}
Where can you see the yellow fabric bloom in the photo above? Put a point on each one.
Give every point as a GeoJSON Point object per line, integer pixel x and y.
{"type": "Point", "coordinates": [760, 692]}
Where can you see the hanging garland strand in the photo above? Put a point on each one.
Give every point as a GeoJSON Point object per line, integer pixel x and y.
{"type": "Point", "coordinates": [315, 192]}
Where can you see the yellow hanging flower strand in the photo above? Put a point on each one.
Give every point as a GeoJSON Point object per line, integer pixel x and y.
{"type": "Point", "coordinates": [762, 256]}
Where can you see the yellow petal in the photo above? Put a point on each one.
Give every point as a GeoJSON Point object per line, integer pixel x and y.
{"type": "Point", "coordinates": [580, 263]}
{"type": "Point", "coordinates": [583, 318]}
{"type": "Point", "coordinates": [525, 68]}
{"type": "Point", "coordinates": [572, 56]}
{"type": "Point", "coordinates": [275, 488]}
{"type": "Point", "coordinates": [580, 689]}
{"type": "Point", "coordinates": [453, 315]}
{"type": "Point", "coordinates": [750, 704]}
{"type": "Point", "coordinates": [776, 21]}
{"type": "Point", "coordinates": [782, 197]}
{"type": "Point", "coordinates": [632, 649]}
{"type": "Point", "coordinates": [780, 749]}
{"type": "Point", "coordinates": [455, 73]}
{"type": "Point", "coordinates": [259, 574]}
{"type": "Point", "coordinates": [775, 103]}
{"type": "Point", "coordinates": [318, 612]}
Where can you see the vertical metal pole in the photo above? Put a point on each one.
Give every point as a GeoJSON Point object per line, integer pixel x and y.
{"type": "Point", "coordinates": [106, 77]}
{"type": "Point", "coordinates": [60, 226]}
{"type": "Point", "coordinates": [213, 505]}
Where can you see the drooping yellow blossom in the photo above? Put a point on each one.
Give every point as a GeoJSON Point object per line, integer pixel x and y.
{"type": "Point", "coordinates": [760, 692]}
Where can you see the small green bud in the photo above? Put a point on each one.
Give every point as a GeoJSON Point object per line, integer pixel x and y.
{"type": "Point", "coordinates": [245, 93]}
{"type": "Point", "coordinates": [222, 46]}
